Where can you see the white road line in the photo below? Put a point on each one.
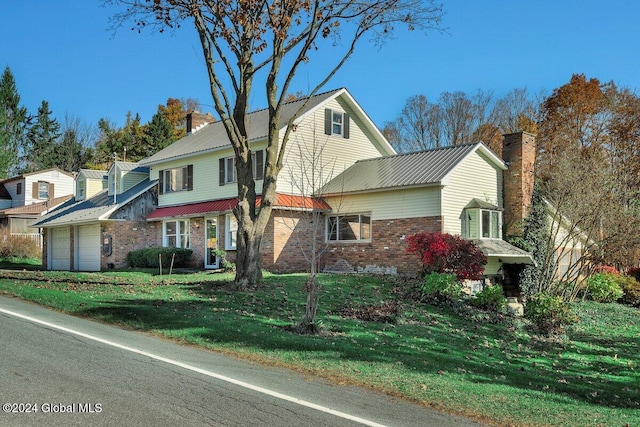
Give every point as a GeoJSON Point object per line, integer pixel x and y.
{"type": "Point", "coordinates": [201, 371]}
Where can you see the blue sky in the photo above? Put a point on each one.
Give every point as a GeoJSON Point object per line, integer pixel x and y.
{"type": "Point", "coordinates": [62, 51]}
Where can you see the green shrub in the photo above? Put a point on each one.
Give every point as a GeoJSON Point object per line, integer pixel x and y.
{"type": "Point", "coordinates": [19, 247]}
{"type": "Point", "coordinates": [630, 291]}
{"type": "Point", "coordinates": [225, 264]}
{"type": "Point", "coordinates": [150, 257]}
{"type": "Point", "coordinates": [549, 313]}
{"type": "Point", "coordinates": [490, 298]}
{"type": "Point", "coordinates": [604, 287]}
{"type": "Point", "coordinates": [441, 286]}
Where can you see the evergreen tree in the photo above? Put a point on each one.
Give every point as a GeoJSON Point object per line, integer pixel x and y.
{"type": "Point", "coordinates": [158, 134]}
{"type": "Point", "coordinates": [42, 138]}
{"type": "Point", "coordinates": [14, 121]}
{"type": "Point", "coordinates": [536, 240]}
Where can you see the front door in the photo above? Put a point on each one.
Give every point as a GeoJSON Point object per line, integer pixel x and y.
{"type": "Point", "coordinates": [211, 243]}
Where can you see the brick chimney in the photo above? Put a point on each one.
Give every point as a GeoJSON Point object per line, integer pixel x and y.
{"type": "Point", "coordinates": [196, 120]}
{"type": "Point", "coordinates": [519, 152]}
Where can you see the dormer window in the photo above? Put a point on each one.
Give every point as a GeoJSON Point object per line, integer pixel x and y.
{"type": "Point", "coordinates": [481, 220]}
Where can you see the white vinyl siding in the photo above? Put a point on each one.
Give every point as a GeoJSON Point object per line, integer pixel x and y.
{"type": "Point", "coordinates": [473, 178]}
{"type": "Point", "coordinates": [337, 153]}
{"type": "Point", "coordinates": [389, 205]}
{"type": "Point", "coordinates": [205, 179]}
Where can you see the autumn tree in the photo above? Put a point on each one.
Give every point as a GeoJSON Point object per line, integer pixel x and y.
{"type": "Point", "coordinates": [14, 121]}
{"type": "Point", "coordinates": [175, 113]}
{"type": "Point", "coordinates": [245, 42]}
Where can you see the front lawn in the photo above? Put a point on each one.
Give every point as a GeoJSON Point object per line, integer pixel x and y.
{"type": "Point", "coordinates": [473, 364]}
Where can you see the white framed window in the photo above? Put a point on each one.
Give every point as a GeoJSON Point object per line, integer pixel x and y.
{"type": "Point", "coordinates": [482, 224]}
{"type": "Point", "coordinates": [81, 188]}
{"type": "Point", "coordinates": [230, 232]}
{"type": "Point", "coordinates": [228, 174]}
{"type": "Point", "coordinates": [175, 234]}
{"type": "Point", "coordinates": [43, 190]}
{"type": "Point", "coordinates": [491, 224]}
{"type": "Point", "coordinates": [336, 123]}
{"type": "Point", "coordinates": [348, 228]}
{"type": "Point", "coordinates": [176, 179]}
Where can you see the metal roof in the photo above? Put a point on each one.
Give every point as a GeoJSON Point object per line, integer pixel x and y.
{"type": "Point", "coordinates": [283, 201]}
{"type": "Point", "coordinates": [508, 253]}
{"type": "Point", "coordinates": [214, 136]}
{"type": "Point", "coordinates": [96, 208]}
{"type": "Point", "coordinates": [404, 170]}
{"type": "Point", "coordinates": [93, 173]}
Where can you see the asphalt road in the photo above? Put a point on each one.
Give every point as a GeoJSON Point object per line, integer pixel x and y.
{"type": "Point", "coordinates": [56, 369]}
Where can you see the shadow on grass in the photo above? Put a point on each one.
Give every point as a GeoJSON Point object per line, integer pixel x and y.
{"type": "Point", "coordinates": [439, 343]}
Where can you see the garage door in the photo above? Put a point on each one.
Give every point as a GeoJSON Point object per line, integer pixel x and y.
{"type": "Point", "coordinates": [60, 254]}
{"type": "Point", "coordinates": [89, 247]}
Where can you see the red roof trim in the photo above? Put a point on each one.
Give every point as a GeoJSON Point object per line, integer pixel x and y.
{"type": "Point", "coordinates": [283, 201]}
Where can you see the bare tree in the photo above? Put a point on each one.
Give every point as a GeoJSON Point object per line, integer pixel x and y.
{"type": "Point", "coordinates": [310, 170]}
{"type": "Point", "coordinates": [418, 127]}
{"type": "Point", "coordinates": [242, 40]}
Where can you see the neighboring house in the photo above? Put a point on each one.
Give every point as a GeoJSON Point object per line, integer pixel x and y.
{"type": "Point", "coordinates": [95, 232]}
{"type": "Point", "coordinates": [24, 198]}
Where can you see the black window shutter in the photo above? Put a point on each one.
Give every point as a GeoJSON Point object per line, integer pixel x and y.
{"type": "Point", "coordinates": [221, 173]}
{"type": "Point", "coordinates": [345, 124]}
{"type": "Point", "coordinates": [189, 177]}
{"type": "Point", "coordinates": [161, 182]}
{"type": "Point", "coordinates": [327, 121]}
{"type": "Point", "coordinates": [259, 164]}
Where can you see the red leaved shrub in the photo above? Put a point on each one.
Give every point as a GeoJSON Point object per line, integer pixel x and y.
{"type": "Point", "coordinates": [445, 253]}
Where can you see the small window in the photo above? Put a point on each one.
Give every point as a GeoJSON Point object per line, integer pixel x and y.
{"type": "Point", "coordinates": [43, 190]}
{"type": "Point", "coordinates": [176, 234]}
{"type": "Point", "coordinates": [336, 123]}
{"type": "Point", "coordinates": [19, 188]}
{"type": "Point", "coordinates": [491, 224]}
{"type": "Point", "coordinates": [228, 173]}
{"type": "Point", "coordinates": [346, 228]}
{"type": "Point", "coordinates": [81, 188]}
{"type": "Point", "coordinates": [176, 179]}
{"type": "Point", "coordinates": [231, 232]}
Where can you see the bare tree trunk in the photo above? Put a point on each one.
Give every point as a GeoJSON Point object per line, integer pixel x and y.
{"type": "Point", "coordinates": [248, 261]}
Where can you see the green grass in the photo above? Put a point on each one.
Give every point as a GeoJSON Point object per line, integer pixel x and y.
{"type": "Point", "coordinates": [484, 367]}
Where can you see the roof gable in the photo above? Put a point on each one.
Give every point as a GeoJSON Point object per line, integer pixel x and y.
{"type": "Point", "coordinates": [213, 136]}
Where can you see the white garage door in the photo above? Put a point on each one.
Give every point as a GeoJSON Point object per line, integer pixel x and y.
{"type": "Point", "coordinates": [60, 252]}
{"type": "Point", "coordinates": [89, 247]}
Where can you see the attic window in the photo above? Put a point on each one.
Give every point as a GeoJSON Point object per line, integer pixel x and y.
{"type": "Point", "coordinates": [336, 123]}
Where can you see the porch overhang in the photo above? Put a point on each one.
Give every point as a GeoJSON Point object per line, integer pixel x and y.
{"type": "Point", "coordinates": [504, 251]}
{"type": "Point", "coordinates": [283, 201]}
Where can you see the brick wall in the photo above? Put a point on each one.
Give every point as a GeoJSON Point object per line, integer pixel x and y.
{"type": "Point", "coordinates": [519, 151]}
{"type": "Point", "coordinates": [129, 236]}
{"type": "Point", "coordinates": [387, 247]}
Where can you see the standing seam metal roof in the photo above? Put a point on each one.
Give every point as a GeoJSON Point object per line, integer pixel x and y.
{"type": "Point", "coordinates": [420, 168]}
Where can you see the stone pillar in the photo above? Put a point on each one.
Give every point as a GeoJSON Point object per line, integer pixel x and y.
{"type": "Point", "coordinates": [519, 152]}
